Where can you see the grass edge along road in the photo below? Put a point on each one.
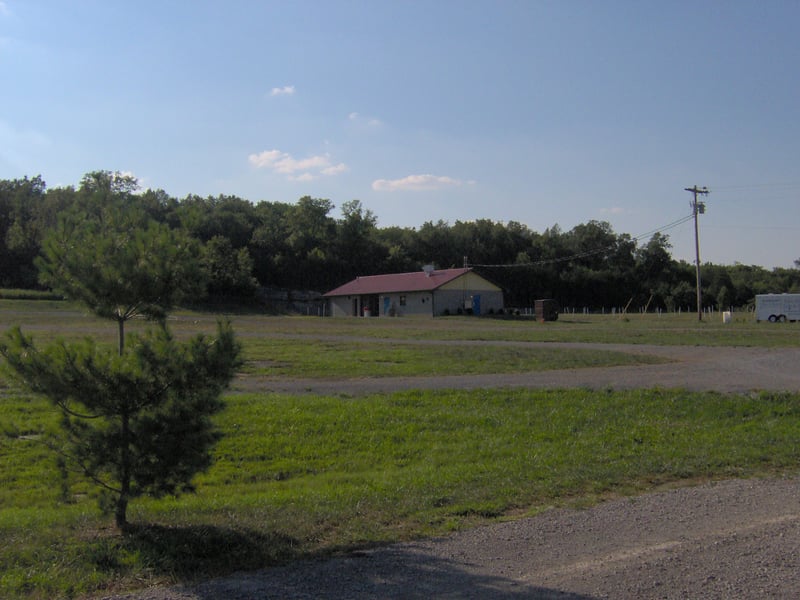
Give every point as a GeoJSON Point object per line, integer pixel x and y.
{"type": "Point", "coordinates": [299, 476]}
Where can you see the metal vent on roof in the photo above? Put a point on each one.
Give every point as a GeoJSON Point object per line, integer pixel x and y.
{"type": "Point", "coordinates": [428, 270]}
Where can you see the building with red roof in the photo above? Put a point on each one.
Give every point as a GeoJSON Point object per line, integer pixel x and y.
{"type": "Point", "coordinates": [429, 292]}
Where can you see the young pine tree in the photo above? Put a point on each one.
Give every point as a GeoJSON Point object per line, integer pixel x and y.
{"type": "Point", "coordinates": [136, 421]}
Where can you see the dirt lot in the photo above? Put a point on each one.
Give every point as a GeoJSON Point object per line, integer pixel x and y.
{"type": "Point", "coordinates": [731, 539]}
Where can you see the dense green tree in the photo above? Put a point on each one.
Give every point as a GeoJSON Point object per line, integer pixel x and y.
{"type": "Point", "coordinates": [109, 183]}
{"type": "Point", "coordinates": [486, 242]}
{"type": "Point", "coordinates": [160, 206]}
{"type": "Point", "coordinates": [57, 201]}
{"type": "Point", "coordinates": [268, 244]}
{"type": "Point", "coordinates": [301, 246]}
{"type": "Point", "coordinates": [230, 217]}
{"type": "Point", "coordinates": [21, 230]}
{"type": "Point", "coordinates": [434, 245]}
{"type": "Point", "coordinates": [356, 248]}
{"type": "Point", "coordinates": [718, 287]}
{"type": "Point", "coordinates": [311, 237]}
{"type": "Point", "coordinates": [786, 279]}
{"type": "Point", "coordinates": [229, 272]}
{"type": "Point", "coordinates": [683, 297]}
{"type": "Point", "coordinates": [398, 242]}
{"type": "Point", "coordinates": [592, 244]}
{"type": "Point", "coordinates": [596, 267]}
{"type": "Point", "coordinates": [654, 270]}
{"type": "Point", "coordinates": [723, 297]}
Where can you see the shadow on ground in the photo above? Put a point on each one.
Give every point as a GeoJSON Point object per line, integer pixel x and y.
{"type": "Point", "coordinates": [201, 553]}
{"type": "Point", "coordinates": [386, 573]}
{"type": "Point", "coordinates": [189, 553]}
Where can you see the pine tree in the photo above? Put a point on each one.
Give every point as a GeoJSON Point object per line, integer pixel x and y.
{"type": "Point", "coordinates": [120, 263]}
{"type": "Point", "coordinates": [136, 421]}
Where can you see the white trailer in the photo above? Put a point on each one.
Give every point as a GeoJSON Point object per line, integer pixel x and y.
{"type": "Point", "coordinates": [778, 308]}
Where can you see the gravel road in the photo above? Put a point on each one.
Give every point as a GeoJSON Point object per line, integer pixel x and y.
{"type": "Point", "coordinates": [695, 368]}
{"type": "Point", "coordinates": [729, 539]}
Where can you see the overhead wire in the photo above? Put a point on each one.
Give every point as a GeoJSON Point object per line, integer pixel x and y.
{"type": "Point", "coordinates": [784, 186]}
{"type": "Point", "coordinates": [586, 253]}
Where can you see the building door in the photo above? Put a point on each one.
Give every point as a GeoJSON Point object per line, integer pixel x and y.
{"type": "Point", "coordinates": [476, 304]}
{"type": "Point", "coordinates": [355, 307]}
{"type": "Point", "coordinates": [370, 305]}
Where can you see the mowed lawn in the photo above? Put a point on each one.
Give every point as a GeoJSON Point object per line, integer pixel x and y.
{"type": "Point", "coordinates": [299, 476]}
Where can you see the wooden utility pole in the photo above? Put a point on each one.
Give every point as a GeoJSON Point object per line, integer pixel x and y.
{"type": "Point", "coordinates": [698, 207]}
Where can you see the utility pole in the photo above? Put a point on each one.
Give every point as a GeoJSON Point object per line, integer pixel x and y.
{"type": "Point", "coordinates": [698, 207]}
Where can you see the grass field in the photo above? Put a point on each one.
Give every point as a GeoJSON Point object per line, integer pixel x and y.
{"type": "Point", "coordinates": [60, 318]}
{"type": "Point", "coordinates": [302, 476]}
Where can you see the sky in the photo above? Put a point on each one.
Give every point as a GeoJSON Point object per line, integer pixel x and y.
{"type": "Point", "coordinates": [539, 112]}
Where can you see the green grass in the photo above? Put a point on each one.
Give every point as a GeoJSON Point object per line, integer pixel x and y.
{"type": "Point", "coordinates": [667, 329]}
{"type": "Point", "coordinates": [312, 347]}
{"type": "Point", "coordinates": [15, 294]}
{"type": "Point", "coordinates": [276, 357]}
{"type": "Point", "coordinates": [69, 320]}
{"type": "Point", "coordinates": [299, 476]}
{"type": "Point", "coordinates": [303, 476]}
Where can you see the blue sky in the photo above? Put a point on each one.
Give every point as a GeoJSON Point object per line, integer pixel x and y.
{"type": "Point", "coordinates": [534, 111]}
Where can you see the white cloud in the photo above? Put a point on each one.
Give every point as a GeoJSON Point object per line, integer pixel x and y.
{"type": "Point", "coordinates": [416, 183]}
{"type": "Point", "coordinates": [335, 169]}
{"type": "Point", "coordinates": [287, 90]}
{"type": "Point", "coordinates": [266, 159]}
{"type": "Point", "coordinates": [614, 210]}
{"type": "Point", "coordinates": [303, 169]}
{"type": "Point", "coordinates": [303, 177]}
{"type": "Point", "coordinates": [364, 121]}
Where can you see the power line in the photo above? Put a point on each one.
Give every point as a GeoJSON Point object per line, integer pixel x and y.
{"type": "Point", "coordinates": [753, 186]}
{"type": "Point", "coordinates": [586, 253]}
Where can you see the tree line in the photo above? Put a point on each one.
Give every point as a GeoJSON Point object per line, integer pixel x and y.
{"type": "Point", "coordinates": [244, 245]}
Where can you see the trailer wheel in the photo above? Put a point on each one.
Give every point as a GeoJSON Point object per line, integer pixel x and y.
{"type": "Point", "coordinates": [781, 318]}
{"type": "Point", "coordinates": [772, 319]}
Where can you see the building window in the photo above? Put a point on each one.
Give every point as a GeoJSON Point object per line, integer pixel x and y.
{"type": "Point", "coordinates": [402, 300]}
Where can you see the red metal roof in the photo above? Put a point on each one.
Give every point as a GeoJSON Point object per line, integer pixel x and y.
{"type": "Point", "coordinates": [418, 281]}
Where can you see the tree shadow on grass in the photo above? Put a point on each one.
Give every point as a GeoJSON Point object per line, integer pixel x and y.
{"type": "Point", "coordinates": [190, 553]}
